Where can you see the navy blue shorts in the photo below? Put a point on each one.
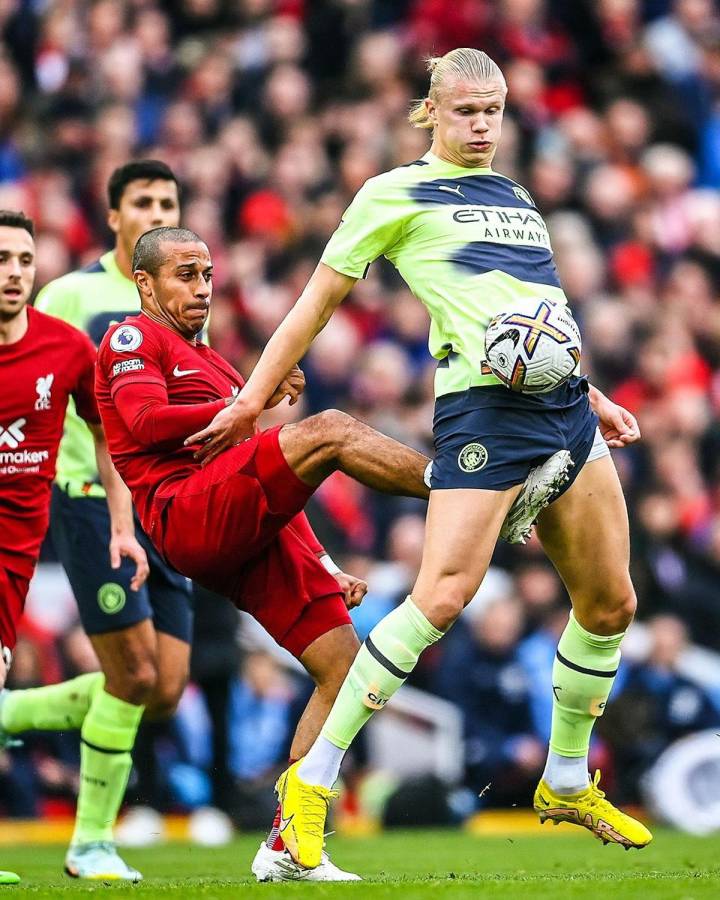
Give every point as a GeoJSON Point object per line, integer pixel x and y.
{"type": "Point", "coordinates": [488, 438]}
{"type": "Point", "coordinates": [80, 528]}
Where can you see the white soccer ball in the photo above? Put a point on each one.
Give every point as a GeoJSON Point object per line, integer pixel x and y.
{"type": "Point", "coordinates": [533, 347]}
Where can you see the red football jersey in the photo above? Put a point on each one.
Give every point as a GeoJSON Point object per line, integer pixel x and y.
{"type": "Point", "coordinates": [141, 358]}
{"type": "Point", "coordinates": [38, 373]}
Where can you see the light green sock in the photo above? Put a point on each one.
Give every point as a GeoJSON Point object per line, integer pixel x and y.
{"type": "Point", "coordinates": [583, 674]}
{"type": "Point", "coordinates": [384, 661]}
{"type": "Point", "coordinates": [57, 707]}
{"type": "Point", "coordinates": [107, 737]}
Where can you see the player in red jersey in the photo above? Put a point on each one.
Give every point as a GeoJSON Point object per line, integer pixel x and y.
{"type": "Point", "coordinates": [235, 525]}
{"type": "Point", "coordinates": [43, 362]}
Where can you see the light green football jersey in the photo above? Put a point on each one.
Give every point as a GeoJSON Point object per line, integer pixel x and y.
{"type": "Point", "coordinates": [91, 299]}
{"type": "Point", "coordinates": [468, 242]}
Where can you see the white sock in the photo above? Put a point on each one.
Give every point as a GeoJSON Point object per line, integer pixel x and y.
{"type": "Point", "coordinates": [566, 774]}
{"type": "Point", "coordinates": [321, 765]}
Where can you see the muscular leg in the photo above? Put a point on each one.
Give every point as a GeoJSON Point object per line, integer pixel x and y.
{"type": "Point", "coordinates": [462, 528]}
{"type": "Point", "coordinates": [173, 670]}
{"type": "Point", "coordinates": [129, 659]}
{"type": "Point", "coordinates": [332, 440]}
{"type": "Point", "coordinates": [588, 523]}
{"type": "Point", "coordinates": [172, 659]}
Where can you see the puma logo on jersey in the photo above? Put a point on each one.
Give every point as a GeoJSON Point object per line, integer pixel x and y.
{"type": "Point", "coordinates": [452, 190]}
{"type": "Point", "coordinates": [43, 386]}
{"type": "Point", "coordinates": [13, 435]}
{"type": "Point", "coordinates": [178, 372]}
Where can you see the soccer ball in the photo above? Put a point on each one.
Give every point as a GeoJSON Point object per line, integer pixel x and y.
{"type": "Point", "coordinates": [533, 347]}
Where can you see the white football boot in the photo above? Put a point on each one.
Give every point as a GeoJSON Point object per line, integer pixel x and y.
{"type": "Point", "coordinates": [278, 865]}
{"type": "Point", "coordinates": [540, 489]}
{"type": "Point", "coordinates": [99, 861]}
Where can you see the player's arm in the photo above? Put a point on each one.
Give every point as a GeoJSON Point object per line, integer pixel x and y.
{"type": "Point", "coordinates": [123, 543]}
{"type": "Point", "coordinates": [617, 426]}
{"type": "Point", "coordinates": [323, 293]}
{"type": "Point", "coordinates": [152, 421]}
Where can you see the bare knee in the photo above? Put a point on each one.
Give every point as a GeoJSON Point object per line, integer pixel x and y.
{"type": "Point", "coordinates": [163, 702]}
{"type": "Point", "coordinates": [444, 600]}
{"type": "Point", "coordinates": [611, 612]}
{"type": "Point", "coordinates": [334, 429]}
{"type": "Point", "coordinates": [136, 683]}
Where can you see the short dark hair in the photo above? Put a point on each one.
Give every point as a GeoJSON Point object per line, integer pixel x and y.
{"type": "Point", "coordinates": [147, 254]}
{"type": "Point", "coordinates": [10, 218]}
{"type": "Point", "coordinates": [143, 169]}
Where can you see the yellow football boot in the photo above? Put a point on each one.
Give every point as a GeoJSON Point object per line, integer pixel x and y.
{"type": "Point", "coordinates": [303, 810]}
{"type": "Point", "coordinates": [590, 809]}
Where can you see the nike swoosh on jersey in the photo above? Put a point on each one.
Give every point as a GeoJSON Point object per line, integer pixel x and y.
{"type": "Point", "coordinates": [285, 822]}
{"type": "Point", "coordinates": [178, 372]}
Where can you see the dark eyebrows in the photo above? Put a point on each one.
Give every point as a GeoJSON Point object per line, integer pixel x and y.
{"type": "Point", "coordinates": [193, 265]}
{"type": "Point", "coordinates": [22, 254]}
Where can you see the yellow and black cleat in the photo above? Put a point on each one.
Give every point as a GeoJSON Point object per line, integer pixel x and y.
{"type": "Point", "coordinates": [591, 810]}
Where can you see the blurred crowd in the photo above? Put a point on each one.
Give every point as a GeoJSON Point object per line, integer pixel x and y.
{"type": "Point", "coordinates": [273, 113]}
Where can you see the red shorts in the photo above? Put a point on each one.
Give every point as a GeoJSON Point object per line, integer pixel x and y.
{"type": "Point", "coordinates": [13, 591]}
{"type": "Point", "coordinates": [226, 527]}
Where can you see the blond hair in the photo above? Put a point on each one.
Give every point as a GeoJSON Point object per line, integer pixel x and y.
{"type": "Point", "coordinates": [463, 62]}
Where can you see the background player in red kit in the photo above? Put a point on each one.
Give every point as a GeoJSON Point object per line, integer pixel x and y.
{"type": "Point", "coordinates": [43, 362]}
{"type": "Point", "coordinates": [235, 525]}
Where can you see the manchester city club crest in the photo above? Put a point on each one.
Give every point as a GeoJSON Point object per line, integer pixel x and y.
{"type": "Point", "coordinates": [523, 195]}
{"type": "Point", "coordinates": [126, 338]}
{"type": "Point", "coordinates": [472, 457]}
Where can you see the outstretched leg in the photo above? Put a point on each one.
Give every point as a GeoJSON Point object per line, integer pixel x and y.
{"type": "Point", "coordinates": [333, 441]}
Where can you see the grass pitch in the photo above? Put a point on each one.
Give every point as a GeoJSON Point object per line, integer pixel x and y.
{"type": "Point", "coordinates": [559, 864]}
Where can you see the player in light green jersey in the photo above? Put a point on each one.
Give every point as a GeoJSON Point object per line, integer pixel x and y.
{"type": "Point", "coordinates": [468, 242]}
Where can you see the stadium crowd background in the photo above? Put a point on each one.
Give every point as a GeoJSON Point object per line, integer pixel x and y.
{"type": "Point", "coordinates": [273, 113]}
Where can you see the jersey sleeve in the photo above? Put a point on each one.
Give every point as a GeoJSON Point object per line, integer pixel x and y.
{"type": "Point", "coordinates": [129, 355]}
{"type": "Point", "coordinates": [84, 391]}
{"type": "Point", "coordinates": [371, 225]}
{"type": "Point", "coordinates": [153, 422]}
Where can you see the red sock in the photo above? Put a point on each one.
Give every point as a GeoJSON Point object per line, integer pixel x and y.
{"type": "Point", "coordinates": [274, 841]}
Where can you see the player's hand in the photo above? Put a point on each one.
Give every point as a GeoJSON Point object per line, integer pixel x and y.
{"type": "Point", "coordinates": [126, 546]}
{"type": "Point", "coordinates": [617, 426]}
{"type": "Point", "coordinates": [229, 427]}
{"type": "Point", "coordinates": [291, 386]}
{"type": "Point", "coordinates": [353, 588]}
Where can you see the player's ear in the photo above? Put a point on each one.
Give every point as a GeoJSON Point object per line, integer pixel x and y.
{"type": "Point", "coordinates": [113, 220]}
{"type": "Point", "coordinates": [142, 281]}
{"type": "Point", "coordinates": [431, 110]}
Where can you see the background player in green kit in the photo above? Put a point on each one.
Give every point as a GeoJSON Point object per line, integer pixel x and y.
{"type": "Point", "coordinates": [142, 638]}
{"type": "Point", "coordinates": [469, 242]}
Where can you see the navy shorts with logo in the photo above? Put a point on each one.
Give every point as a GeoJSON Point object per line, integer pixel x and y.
{"type": "Point", "coordinates": [80, 528]}
{"type": "Point", "coordinates": [490, 437]}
